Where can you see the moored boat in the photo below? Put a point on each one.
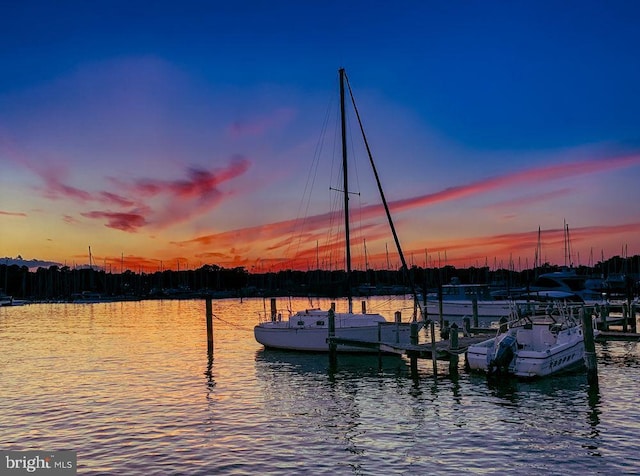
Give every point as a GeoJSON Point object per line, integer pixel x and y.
{"type": "Point", "coordinates": [5, 300]}
{"type": "Point", "coordinates": [532, 346]}
{"type": "Point", "coordinates": [308, 330]}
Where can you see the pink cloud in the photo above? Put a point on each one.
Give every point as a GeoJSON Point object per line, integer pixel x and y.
{"type": "Point", "coordinates": [129, 222]}
{"type": "Point", "coordinates": [183, 198]}
{"type": "Point", "coordinates": [109, 197]}
{"type": "Point", "coordinates": [315, 226]}
{"type": "Point", "coordinates": [552, 172]}
{"type": "Point", "coordinates": [55, 188]}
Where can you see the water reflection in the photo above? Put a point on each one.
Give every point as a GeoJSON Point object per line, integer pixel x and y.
{"type": "Point", "coordinates": [125, 384]}
{"type": "Point", "coordinates": [348, 365]}
{"type": "Point", "coordinates": [209, 372]}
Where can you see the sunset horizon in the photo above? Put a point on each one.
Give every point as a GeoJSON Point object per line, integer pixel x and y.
{"type": "Point", "coordinates": [490, 132]}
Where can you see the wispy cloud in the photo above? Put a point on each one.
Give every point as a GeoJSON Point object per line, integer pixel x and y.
{"type": "Point", "coordinates": [12, 214]}
{"type": "Point", "coordinates": [119, 221]}
{"type": "Point", "coordinates": [143, 202]}
{"type": "Point", "coordinates": [278, 236]}
{"type": "Point", "coordinates": [533, 175]}
{"type": "Point", "coordinates": [522, 244]}
{"type": "Point", "coordinates": [530, 199]}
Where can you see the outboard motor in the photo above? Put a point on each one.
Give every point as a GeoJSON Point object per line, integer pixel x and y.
{"type": "Point", "coordinates": [505, 351]}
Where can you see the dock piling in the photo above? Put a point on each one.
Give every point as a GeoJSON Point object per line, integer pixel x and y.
{"type": "Point", "coordinates": [413, 358]}
{"type": "Point", "coordinates": [333, 348]}
{"type": "Point", "coordinates": [589, 348]}
{"type": "Point", "coordinates": [466, 326]}
{"type": "Point", "coordinates": [604, 314]}
{"type": "Point", "coordinates": [440, 304]}
{"type": "Point", "coordinates": [453, 349]}
{"type": "Point", "coordinates": [475, 311]}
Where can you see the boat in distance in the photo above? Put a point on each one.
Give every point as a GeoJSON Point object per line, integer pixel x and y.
{"type": "Point", "coordinates": [532, 346]}
{"type": "Point", "coordinates": [309, 330]}
{"type": "Point", "coordinates": [461, 300]}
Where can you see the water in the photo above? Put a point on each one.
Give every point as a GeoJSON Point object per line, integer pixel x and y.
{"type": "Point", "coordinates": [130, 387]}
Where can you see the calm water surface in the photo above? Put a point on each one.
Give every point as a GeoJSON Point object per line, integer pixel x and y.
{"type": "Point", "coordinates": [130, 387]}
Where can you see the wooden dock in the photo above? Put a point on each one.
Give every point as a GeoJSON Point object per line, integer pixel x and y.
{"type": "Point", "coordinates": [443, 349]}
{"type": "Point", "coordinates": [619, 336]}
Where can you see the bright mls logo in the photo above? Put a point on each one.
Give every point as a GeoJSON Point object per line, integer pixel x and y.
{"type": "Point", "coordinates": [51, 463]}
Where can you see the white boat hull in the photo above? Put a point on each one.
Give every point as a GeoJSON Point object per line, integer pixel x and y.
{"type": "Point", "coordinates": [309, 332]}
{"type": "Point", "coordinates": [456, 310]}
{"type": "Point", "coordinates": [538, 353]}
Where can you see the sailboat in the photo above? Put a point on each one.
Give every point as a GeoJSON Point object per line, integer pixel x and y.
{"type": "Point", "coordinates": [308, 330]}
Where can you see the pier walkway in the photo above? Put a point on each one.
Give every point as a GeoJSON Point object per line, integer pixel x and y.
{"type": "Point", "coordinates": [444, 349]}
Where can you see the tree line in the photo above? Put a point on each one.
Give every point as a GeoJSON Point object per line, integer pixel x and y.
{"type": "Point", "coordinates": [61, 283]}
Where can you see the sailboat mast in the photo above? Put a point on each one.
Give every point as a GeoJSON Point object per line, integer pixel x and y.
{"type": "Point", "coordinates": [384, 200]}
{"type": "Point", "coordinates": [345, 182]}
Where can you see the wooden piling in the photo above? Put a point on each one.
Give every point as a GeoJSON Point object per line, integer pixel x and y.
{"type": "Point", "coordinates": [333, 348]}
{"type": "Point", "coordinates": [398, 320]}
{"type": "Point", "coordinates": [604, 314]}
{"type": "Point", "coordinates": [440, 305]}
{"type": "Point", "coordinates": [209, 316]}
{"type": "Point", "coordinates": [625, 316]}
{"type": "Point", "coordinates": [634, 319]}
{"type": "Point", "coordinates": [453, 349]}
{"type": "Point", "coordinates": [364, 307]}
{"type": "Point", "coordinates": [274, 309]}
{"type": "Point", "coordinates": [414, 341]}
{"type": "Point", "coordinates": [414, 333]}
{"type": "Point", "coordinates": [474, 303]}
{"type": "Point", "coordinates": [466, 326]}
{"type": "Point", "coordinates": [589, 348]}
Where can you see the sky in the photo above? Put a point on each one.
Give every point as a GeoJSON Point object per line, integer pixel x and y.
{"type": "Point", "coordinates": [169, 135]}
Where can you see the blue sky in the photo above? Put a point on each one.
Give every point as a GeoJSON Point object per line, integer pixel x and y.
{"type": "Point", "coordinates": [150, 128]}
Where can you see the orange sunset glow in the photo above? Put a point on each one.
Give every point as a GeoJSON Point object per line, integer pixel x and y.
{"type": "Point", "coordinates": [159, 153]}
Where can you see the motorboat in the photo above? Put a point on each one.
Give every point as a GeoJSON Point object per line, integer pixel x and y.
{"type": "Point", "coordinates": [570, 283]}
{"type": "Point", "coordinates": [308, 330]}
{"type": "Point", "coordinates": [535, 345]}
{"type": "Point", "coordinates": [466, 300]}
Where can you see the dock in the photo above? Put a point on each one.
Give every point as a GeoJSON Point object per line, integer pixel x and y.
{"type": "Point", "coordinates": [443, 349]}
{"type": "Point", "coordinates": [619, 336]}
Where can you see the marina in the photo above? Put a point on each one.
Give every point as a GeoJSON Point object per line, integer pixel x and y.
{"type": "Point", "coordinates": [132, 388]}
